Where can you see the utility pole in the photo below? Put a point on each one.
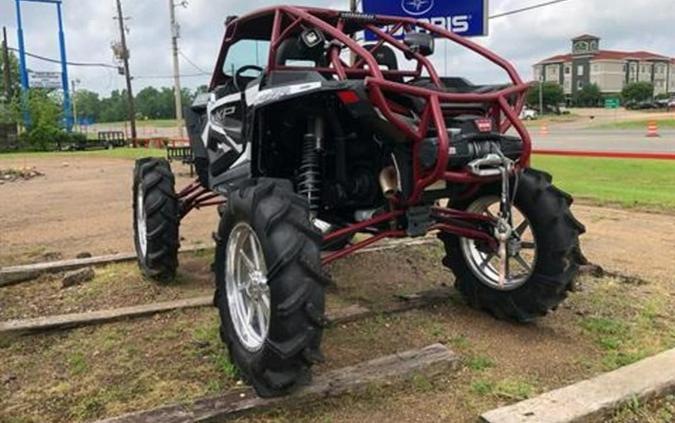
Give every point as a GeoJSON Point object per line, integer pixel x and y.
{"type": "Point", "coordinates": [5, 59]}
{"type": "Point", "coordinates": [175, 33]}
{"type": "Point", "coordinates": [73, 92]}
{"type": "Point", "coordinates": [125, 58]}
{"type": "Point", "coordinates": [541, 95]}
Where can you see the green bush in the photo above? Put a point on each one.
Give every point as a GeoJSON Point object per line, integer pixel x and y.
{"type": "Point", "coordinates": [637, 91]}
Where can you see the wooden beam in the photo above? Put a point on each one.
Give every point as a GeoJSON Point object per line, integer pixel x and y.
{"type": "Point", "coordinates": [68, 321]}
{"type": "Point", "coordinates": [431, 361]}
{"type": "Point", "coordinates": [592, 399]}
{"type": "Point", "coordinates": [15, 274]}
{"type": "Point", "coordinates": [11, 275]}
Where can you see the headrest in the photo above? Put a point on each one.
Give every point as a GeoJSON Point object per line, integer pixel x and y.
{"type": "Point", "coordinates": [294, 49]}
{"type": "Point", "coordinates": [384, 56]}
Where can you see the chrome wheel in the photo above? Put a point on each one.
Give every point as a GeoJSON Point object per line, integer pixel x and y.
{"type": "Point", "coordinates": [521, 250]}
{"type": "Point", "coordinates": [248, 294]}
{"type": "Point", "coordinates": [141, 225]}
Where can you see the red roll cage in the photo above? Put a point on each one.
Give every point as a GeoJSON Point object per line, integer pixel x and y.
{"type": "Point", "coordinates": [504, 105]}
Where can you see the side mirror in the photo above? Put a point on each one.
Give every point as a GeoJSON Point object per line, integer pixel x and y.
{"type": "Point", "coordinates": [420, 42]}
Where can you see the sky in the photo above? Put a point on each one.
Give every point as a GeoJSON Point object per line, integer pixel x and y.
{"type": "Point", "coordinates": [523, 39]}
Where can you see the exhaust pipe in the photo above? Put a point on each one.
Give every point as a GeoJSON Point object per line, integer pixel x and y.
{"type": "Point", "coordinates": [389, 182]}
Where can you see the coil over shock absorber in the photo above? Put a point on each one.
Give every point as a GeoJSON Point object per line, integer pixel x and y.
{"type": "Point", "coordinates": [309, 176]}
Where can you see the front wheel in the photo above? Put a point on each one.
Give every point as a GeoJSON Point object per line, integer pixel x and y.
{"type": "Point", "coordinates": [540, 265]}
{"type": "Point", "coordinates": [155, 219]}
{"type": "Point", "coordinates": [269, 286]}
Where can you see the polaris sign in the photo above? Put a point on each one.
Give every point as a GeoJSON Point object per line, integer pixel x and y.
{"type": "Point", "coordinates": [468, 18]}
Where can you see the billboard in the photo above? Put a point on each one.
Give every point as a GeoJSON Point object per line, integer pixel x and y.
{"type": "Point", "coordinates": [38, 79]}
{"type": "Point", "coordinates": [468, 18]}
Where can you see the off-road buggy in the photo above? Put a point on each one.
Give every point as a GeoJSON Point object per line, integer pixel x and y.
{"type": "Point", "coordinates": [308, 137]}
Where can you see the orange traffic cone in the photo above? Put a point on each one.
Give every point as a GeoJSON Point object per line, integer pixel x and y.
{"type": "Point", "coordinates": [543, 130]}
{"type": "Point", "coordinates": [652, 129]}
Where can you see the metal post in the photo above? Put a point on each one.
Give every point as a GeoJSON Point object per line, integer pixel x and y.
{"type": "Point", "coordinates": [176, 70]}
{"type": "Point", "coordinates": [131, 109]}
{"type": "Point", "coordinates": [22, 67]}
{"type": "Point", "coordinates": [67, 111]}
{"type": "Point", "coordinates": [352, 54]}
{"type": "Point", "coordinates": [541, 96]}
{"type": "Point", "coordinates": [5, 58]}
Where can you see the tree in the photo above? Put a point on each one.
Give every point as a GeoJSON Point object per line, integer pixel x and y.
{"type": "Point", "coordinates": [552, 94]}
{"type": "Point", "coordinates": [637, 91]}
{"type": "Point", "coordinates": [15, 81]}
{"type": "Point", "coordinates": [88, 105]}
{"type": "Point", "coordinates": [45, 116]}
{"type": "Point", "coordinates": [589, 96]}
{"type": "Point", "coordinates": [114, 108]}
{"type": "Point", "coordinates": [148, 101]}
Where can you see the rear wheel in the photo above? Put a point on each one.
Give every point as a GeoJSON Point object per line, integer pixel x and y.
{"type": "Point", "coordinates": [269, 286]}
{"type": "Point", "coordinates": [155, 219]}
{"type": "Point", "coordinates": [540, 265]}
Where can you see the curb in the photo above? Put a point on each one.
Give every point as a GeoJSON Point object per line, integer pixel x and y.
{"type": "Point", "coordinates": [594, 398]}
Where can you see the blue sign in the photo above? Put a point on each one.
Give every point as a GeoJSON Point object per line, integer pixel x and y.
{"type": "Point", "coordinates": [468, 18]}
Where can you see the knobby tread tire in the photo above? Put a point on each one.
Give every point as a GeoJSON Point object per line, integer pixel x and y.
{"type": "Point", "coordinates": [557, 234]}
{"type": "Point", "coordinates": [291, 246]}
{"type": "Point", "coordinates": [160, 202]}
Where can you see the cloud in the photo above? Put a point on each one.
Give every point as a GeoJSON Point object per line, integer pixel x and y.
{"type": "Point", "coordinates": [523, 39]}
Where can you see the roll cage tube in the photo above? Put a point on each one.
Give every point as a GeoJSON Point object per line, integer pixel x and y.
{"type": "Point", "coordinates": [337, 26]}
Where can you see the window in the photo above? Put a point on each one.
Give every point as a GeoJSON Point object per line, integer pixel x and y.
{"type": "Point", "coordinates": [567, 70]}
{"type": "Point", "coordinates": [580, 85]}
{"type": "Point", "coordinates": [580, 70]}
{"type": "Point", "coordinates": [245, 53]}
{"type": "Point", "coordinates": [625, 67]}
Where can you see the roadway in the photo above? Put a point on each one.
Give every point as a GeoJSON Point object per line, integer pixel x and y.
{"type": "Point", "coordinates": [624, 141]}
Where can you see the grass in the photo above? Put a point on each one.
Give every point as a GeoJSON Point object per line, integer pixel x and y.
{"type": "Point", "coordinates": [480, 362]}
{"type": "Point", "coordinates": [118, 153]}
{"type": "Point", "coordinates": [667, 123]}
{"type": "Point", "coordinates": [626, 325]}
{"type": "Point", "coordinates": [512, 389]}
{"type": "Point", "coordinates": [549, 119]}
{"type": "Point", "coordinates": [627, 182]}
{"type": "Point", "coordinates": [660, 410]}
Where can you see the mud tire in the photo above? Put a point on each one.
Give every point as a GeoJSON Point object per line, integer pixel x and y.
{"type": "Point", "coordinates": [557, 233]}
{"type": "Point", "coordinates": [291, 246]}
{"type": "Point", "coordinates": [159, 259]}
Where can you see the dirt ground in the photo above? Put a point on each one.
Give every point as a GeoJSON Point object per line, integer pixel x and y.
{"type": "Point", "coordinates": [81, 204]}
{"type": "Point", "coordinates": [102, 371]}
{"type": "Point", "coordinates": [105, 370]}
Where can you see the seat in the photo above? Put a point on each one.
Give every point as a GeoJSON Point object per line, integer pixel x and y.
{"type": "Point", "coordinates": [293, 50]}
{"type": "Point", "coordinates": [384, 56]}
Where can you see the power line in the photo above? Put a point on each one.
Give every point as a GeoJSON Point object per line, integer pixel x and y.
{"type": "Point", "coordinates": [194, 65]}
{"type": "Point", "coordinates": [47, 59]}
{"type": "Point", "coordinates": [203, 72]}
{"type": "Point", "coordinates": [525, 9]}
{"type": "Point", "coordinates": [104, 65]}
{"type": "Point", "coordinates": [189, 75]}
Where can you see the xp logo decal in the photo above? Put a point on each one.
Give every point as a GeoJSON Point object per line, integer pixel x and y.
{"type": "Point", "coordinates": [417, 7]}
